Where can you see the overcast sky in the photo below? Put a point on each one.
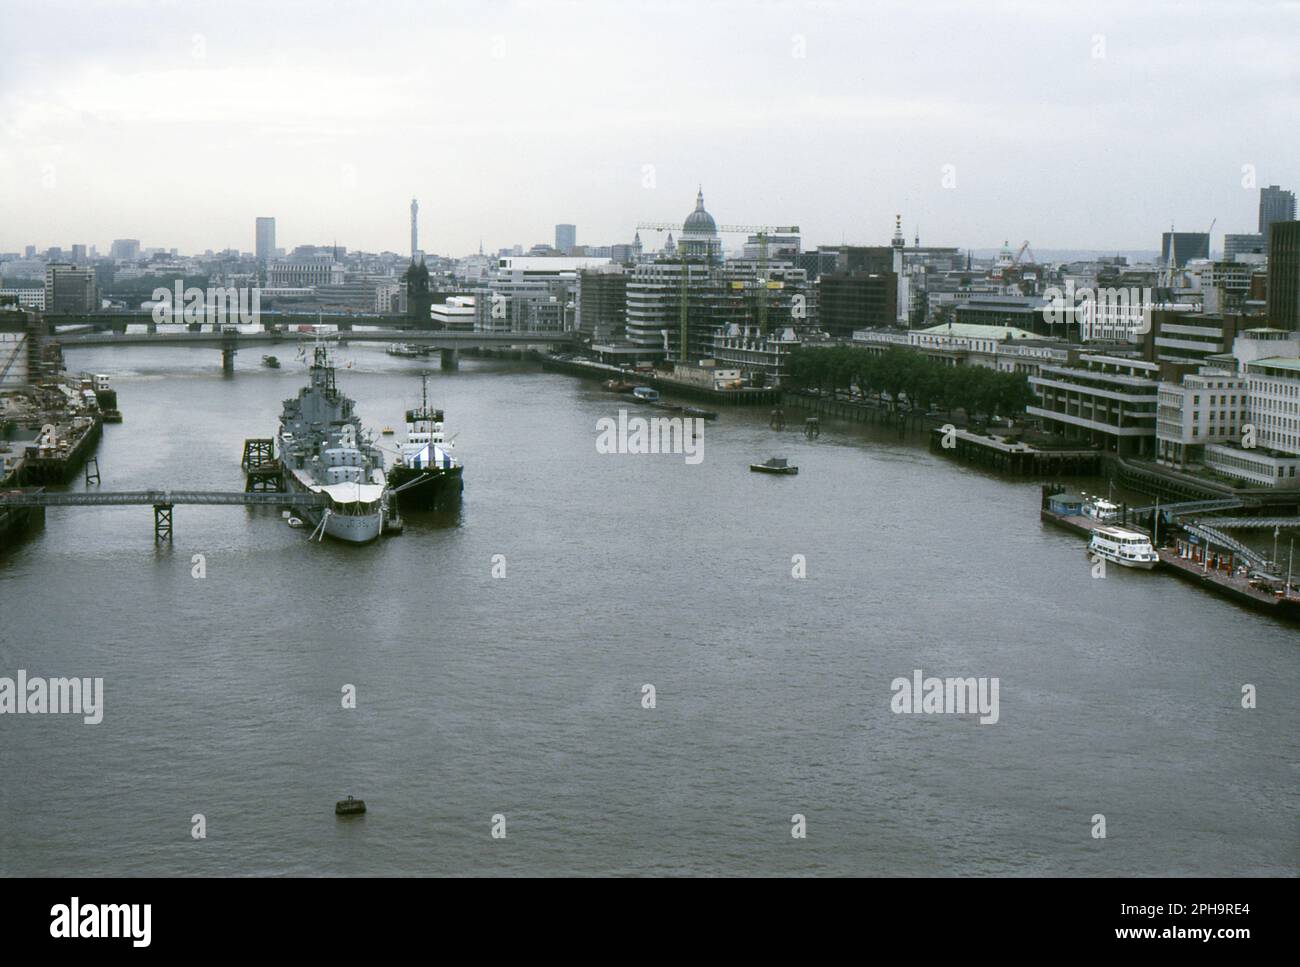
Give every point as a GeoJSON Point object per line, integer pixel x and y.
{"type": "Point", "coordinates": [1079, 125]}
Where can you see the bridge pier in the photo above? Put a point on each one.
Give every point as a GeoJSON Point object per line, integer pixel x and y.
{"type": "Point", "coordinates": [162, 523]}
{"type": "Point", "coordinates": [228, 350]}
{"type": "Point", "coordinates": [450, 359]}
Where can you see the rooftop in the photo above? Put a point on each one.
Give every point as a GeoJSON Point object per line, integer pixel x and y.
{"type": "Point", "coordinates": [1290, 363]}
{"type": "Point", "coordinates": [971, 330]}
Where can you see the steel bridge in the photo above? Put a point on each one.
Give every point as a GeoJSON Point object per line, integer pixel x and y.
{"type": "Point", "coordinates": [434, 339]}
{"type": "Point", "coordinates": [1249, 523]}
{"type": "Point", "coordinates": [162, 501]}
{"type": "Point", "coordinates": [1183, 508]}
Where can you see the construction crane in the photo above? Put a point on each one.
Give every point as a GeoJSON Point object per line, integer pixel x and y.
{"type": "Point", "coordinates": [763, 232]}
{"type": "Point", "coordinates": [20, 346]}
{"type": "Point", "coordinates": [1020, 254]}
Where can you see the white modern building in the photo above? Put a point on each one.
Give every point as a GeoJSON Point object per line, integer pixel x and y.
{"type": "Point", "coordinates": [457, 314]}
{"type": "Point", "coordinates": [1266, 452]}
{"type": "Point", "coordinates": [1206, 407]}
{"type": "Point", "coordinates": [27, 298]}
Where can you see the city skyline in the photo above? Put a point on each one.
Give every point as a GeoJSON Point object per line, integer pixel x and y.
{"type": "Point", "coordinates": [342, 135]}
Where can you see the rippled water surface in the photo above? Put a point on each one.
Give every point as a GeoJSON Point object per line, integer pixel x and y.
{"type": "Point", "coordinates": [521, 695]}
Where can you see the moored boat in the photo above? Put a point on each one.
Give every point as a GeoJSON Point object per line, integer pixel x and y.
{"type": "Point", "coordinates": [324, 451]}
{"type": "Point", "coordinates": [778, 465]}
{"type": "Point", "coordinates": [425, 475]}
{"type": "Point", "coordinates": [1124, 547]}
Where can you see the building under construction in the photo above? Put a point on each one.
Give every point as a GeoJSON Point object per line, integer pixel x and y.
{"type": "Point", "coordinates": [48, 423]}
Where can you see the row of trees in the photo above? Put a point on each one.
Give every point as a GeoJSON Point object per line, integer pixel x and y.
{"type": "Point", "coordinates": [925, 382]}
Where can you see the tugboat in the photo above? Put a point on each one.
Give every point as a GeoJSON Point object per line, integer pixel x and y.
{"type": "Point", "coordinates": [349, 807]}
{"type": "Point", "coordinates": [774, 465]}
{"type": "Point", "coordinates": [425, 476]}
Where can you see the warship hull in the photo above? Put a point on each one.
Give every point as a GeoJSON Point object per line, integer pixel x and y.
{"type": "Point", "coordinates": [345, 522]}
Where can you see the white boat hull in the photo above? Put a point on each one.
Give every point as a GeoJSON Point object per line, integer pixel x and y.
{"type": "Point", "coordinates": [1121, 561]}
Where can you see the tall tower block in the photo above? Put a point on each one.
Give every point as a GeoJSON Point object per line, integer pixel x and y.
{"type": "Point", "coordinates": [415, 232]}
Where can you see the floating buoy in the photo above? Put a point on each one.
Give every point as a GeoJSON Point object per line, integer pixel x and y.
{"type": "Point", "coordinates": [349, 807]}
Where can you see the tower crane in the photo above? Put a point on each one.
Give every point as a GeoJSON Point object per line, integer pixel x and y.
{"type": "Point", "coordinates": [762, 232]}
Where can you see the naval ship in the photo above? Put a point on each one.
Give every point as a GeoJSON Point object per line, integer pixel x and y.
{"type": "Point", "coordinates": [425, 475]}
{"type": "Point", "coordinates": [323, 450]}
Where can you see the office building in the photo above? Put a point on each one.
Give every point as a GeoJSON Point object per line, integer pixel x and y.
{"type": "Point", "coordinates": [1205, 407]}
{"type": "Point", "coordinates": [264, 243]}
{"type": "Point", "coordinates": [566, 239]}
{"type": "Point", "coordinates": [1243, 244]}
{"type": "Point", "coordinates": [602, 302]}
{"type": "Point", "coordinates": [125, 250]}
{"type": "Point", "coordinates": [70, 288]}
{"type": "Point", "coordinates": [1182, 247]}
{"type": "Point", "coordinates": [1284, 275]}
{"type": "Point", "coordinates": [1275, 205]}
{"type": "Point", "coordinates": [1106, 401]}
{"type": "Point", "coordinates": [853, 300]}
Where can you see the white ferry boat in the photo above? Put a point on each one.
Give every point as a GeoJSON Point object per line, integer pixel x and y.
{"type": "Point", "coordinates": [1124, 547]}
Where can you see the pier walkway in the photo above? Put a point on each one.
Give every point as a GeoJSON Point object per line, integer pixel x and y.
{"type": "Point", "coordinates": [1186, 507]}
{"type": "Point", "coordinates": [162, 501]}
{"type": "Point", "coordinates": [157, 498]}
{"type": "Point", "coordinates": [1214, 536]}
{"type": "Point", "coordinates": [1250, 523]}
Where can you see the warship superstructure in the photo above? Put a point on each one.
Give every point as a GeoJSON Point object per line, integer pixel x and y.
{"type": "Point", "coordinates": [324, 450]}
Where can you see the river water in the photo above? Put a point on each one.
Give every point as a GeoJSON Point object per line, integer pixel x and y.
{"type": "Point", "coordinates": [521, 696]}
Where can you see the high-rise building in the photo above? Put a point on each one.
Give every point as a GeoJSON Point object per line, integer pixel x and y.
{"type": "Point", "coordinates": [1184, 246]}
{"type": "Point", "coordinates": [1275, 205]}
{"type": "Point", "coordinates": [265, 242]}
{"type": "Point", "coordinates": [125, 249]}
{"type": "Point", "coordinates": [415, 227]}
{"type": "Point", "coordinates": [566, 238]}
{"type": "Point", "coordinates": [849, 301]}
{"type": "Point", "coordinates": [1244, 244]}
{"type": "Point", "coordinates": [602, 302]}
{"type": "Point", "coordinates": [1284, 276]}
{"type": "Point", "coordinates": [70, 288]}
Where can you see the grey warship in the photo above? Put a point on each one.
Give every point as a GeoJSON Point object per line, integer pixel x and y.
{"type": "Point", "coordinates": [324, 450]}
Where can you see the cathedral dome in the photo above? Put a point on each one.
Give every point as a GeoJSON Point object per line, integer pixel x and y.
{"type": "Point", "coordinates": [700, 222]}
